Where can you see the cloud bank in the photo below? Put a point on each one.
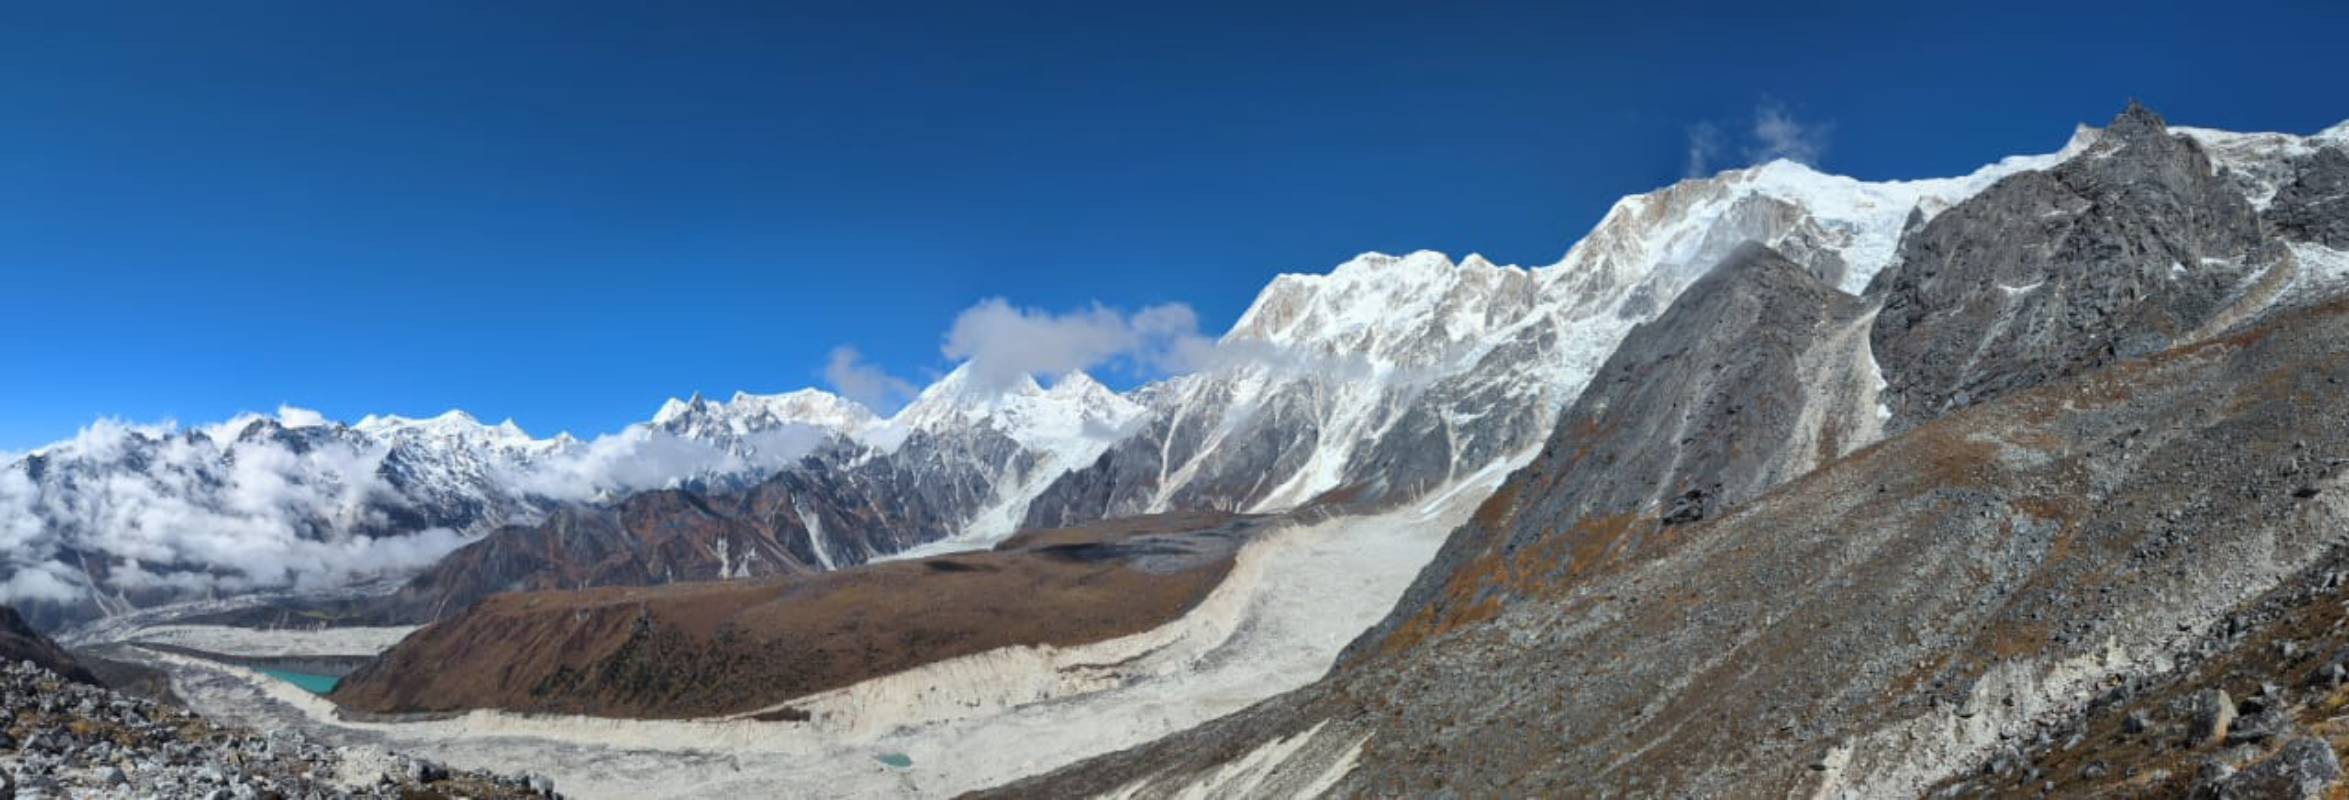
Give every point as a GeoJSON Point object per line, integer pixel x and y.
{"type": "Point", "coordinates": [152, 513]}
{"type": "Point", "coordinates": [846, 371]}
{"type": "Point", "coordinates": [148, 509]}
{"type": "Point", "coordinates": [641, 458]}
{"type": "Point", "coordinates": [1003, 343]}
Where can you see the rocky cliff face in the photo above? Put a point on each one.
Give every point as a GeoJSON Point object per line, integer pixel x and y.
{"type": "Point", "coordinates": [1758, 373]}
{"type": "Point", "coordinates": [72, 739]}
{"type": "Point", "coordinates": [2133, 247]}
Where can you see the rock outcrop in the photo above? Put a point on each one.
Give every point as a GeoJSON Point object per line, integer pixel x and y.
{"type": "Point", "coordinates": [67, 738]}
{"type": "Point", "coordinates": [2131, 248]}
{"type": "Point", "coordinates": [1757, 374]}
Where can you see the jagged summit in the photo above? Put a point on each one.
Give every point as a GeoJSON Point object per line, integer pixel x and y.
{"type": "Point", "coordinates": [748, 413]}
{"type": "Point", "coordinates": [1071, 418]}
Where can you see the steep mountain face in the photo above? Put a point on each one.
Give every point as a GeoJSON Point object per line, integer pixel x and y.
{"type": "Point", "coordinates": [1390, 376]}
{"type": "Point", "coordinates": [1892, 616]}
{"type": "Point", "coordinates": [2133, 247]}
{"type": "Point", "coordinates": [1759, 373]}
{"type": "Point", "coordinates": [122, 517]}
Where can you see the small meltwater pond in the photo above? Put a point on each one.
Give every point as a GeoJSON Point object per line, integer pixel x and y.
{"type": "Point", "coordinates": [312, 682]}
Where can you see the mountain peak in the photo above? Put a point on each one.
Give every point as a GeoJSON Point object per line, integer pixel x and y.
{"type": "Point", "coordinates": [1077, 384]}
{"type": "Point", "coordinates": [451, 419]}
{"type": "Point", "coordinates": [2137, 123]}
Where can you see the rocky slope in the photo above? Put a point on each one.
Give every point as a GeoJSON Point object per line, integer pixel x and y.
{"type": "Point", "coordinates": [1759, 373]}
{"type": "Point", "coordinates": [20, 643]}
{"type": "Point", "coordinates": [2074, 519]}
{"type": "Point", "coordinates": [2134, 246]}
{"type": "Point", "coordinates": [1882, 622]}
{"type": "Point", "coordinates": [69, 737]}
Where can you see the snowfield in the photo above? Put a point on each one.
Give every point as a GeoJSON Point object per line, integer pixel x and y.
{"type": "Point", "coordinates": [1294, 598]}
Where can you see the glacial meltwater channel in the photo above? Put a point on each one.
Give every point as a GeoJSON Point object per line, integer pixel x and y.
{"type": "Point", "coordinates": [312, 682]}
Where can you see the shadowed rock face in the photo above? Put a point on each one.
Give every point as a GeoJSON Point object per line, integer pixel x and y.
{"type": "Point", "coordinates": [1757, 374]}
{"type": "Point", "coordinates": [1873, 625]}
{"type": "Point", "coordinates": [2314, 207]}
{"type": "Point", "coordinates": [19, 642]}
{"type": "Point", "coordinates": [2119, 253]}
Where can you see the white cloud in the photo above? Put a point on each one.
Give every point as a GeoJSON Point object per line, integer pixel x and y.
{"type": "Point", "coordinates": [640, 458]}
{"type": "Point", "coordinates": [1777, 134]}
{"type": "Point", "coordinates": [200, 513]}
{"type": "Point", "coordinates": [1003, 343]}
{"type": "Point", "coordinates": [1704, 145]}
{"type": "Point", "coordinates": [850, 376]}
{"type": "Point", "coordinates": [293, 417]}
{"type": "Point", "coordinates": [46, 581]}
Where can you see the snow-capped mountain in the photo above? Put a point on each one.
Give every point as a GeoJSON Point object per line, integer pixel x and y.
{"type": "Point", "coordinates": [124, 515]}
{"type": "Point", "coordinates": [1390, 376]}
{"type": "Point", "coordinates": [1378, 382]}
{"type": "Point", "coordinates": [1058, 429]}
{"type": "Point", "coordinates": [955, 469]}
{"type": "Point", "coordinates": [749, 414]}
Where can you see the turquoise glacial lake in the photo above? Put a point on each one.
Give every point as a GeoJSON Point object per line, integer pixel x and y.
{"type": "Point", "coordinates": [315, 683]}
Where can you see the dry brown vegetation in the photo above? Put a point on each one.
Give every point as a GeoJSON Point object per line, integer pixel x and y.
{"type": "Point", "coordinates": [730, 647]}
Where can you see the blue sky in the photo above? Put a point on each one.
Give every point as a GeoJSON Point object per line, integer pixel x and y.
{"type": "Point", "coordinates": [564, 213]}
